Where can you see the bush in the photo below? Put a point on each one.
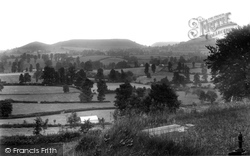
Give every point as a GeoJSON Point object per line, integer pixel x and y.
{"type": "Point", "coordinates": [73, 119]}
{"type": "Point", "coordinates": [87, 143]}
{"type": "Point", "coordinates": [5, 108]}
{"type": "Point", "coordinates": [211, 96]}
{"type": "Point", "coordinates": [65, 88]}
{"type": "Point", "coordinates": [86, 126]}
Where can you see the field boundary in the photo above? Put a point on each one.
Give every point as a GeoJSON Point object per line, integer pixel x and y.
{"type": "Point", "coordinates": [41, 93]}
{"type": "Point", "coordinates": [55, 112]}
{"type": "Point", "coordinates": [45, 102]}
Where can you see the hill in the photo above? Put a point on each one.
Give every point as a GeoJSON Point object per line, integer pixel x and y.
{"type": "Point", "coordinates": [99, 44]}
{"type": "Point", "coordinates": [201, 41]}
{"type": "Point", "coordinates": [31, 47]}
{"type": "Point", "coordinates": [160, 44]}
{"type": "Point", "coordinates": [77, 45]}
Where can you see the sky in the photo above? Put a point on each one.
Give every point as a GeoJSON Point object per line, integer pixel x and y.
{"type": "Point", "coordinates": [142, 21]}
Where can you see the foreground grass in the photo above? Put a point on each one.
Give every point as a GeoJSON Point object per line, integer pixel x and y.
{"type": "Point", "coordinates": [215, 133]}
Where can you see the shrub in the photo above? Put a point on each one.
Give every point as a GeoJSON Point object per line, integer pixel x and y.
{"type": "Point", "coordinates": [211, 96]}
{"type": "Point", "coordinates": [73, 119]}
{"type": "Point", "coordinates": [86, 126]}
{"type": "Point", "coordinates": [87, 143]}
{"type": "Point", "coordinates": [65, 88]}
{"type": "Point", "coordinates": [5, 108]}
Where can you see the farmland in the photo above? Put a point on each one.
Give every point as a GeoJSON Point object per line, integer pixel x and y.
{"type": "Point", "coordinates": [55, 94]}
{"type": "Point", "coordinates": [45, 93]}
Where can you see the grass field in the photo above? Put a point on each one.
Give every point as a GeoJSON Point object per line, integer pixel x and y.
{"type": "Point", "coordinates": [93, 58]}
{"type": "Point", "coordinates": [109, 60]}
{"type": "Point", "coordinates": [45, 93]}
{"type": "Point", "coordinates": [62, 118]}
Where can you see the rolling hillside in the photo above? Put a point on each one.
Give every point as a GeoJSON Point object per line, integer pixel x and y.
{"type": "Point", "coordinates": [160, 44]}
{"type": "Point", "coordinates": [100, 44]}
{"type": "Point", "coordinates": [77, 45]}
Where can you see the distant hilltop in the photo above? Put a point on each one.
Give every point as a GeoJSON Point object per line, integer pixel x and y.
{"type": "Point", "coordinates": [78, 45]}
{"type": "Point", "coordinates": [201, 41]}
{"type": "Point", "coordinates": [160, 44]}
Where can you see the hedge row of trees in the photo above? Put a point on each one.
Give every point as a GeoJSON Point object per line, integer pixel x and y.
{"type": "Point", "coordinates": [160, 97]}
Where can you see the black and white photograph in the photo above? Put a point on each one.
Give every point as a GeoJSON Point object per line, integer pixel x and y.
{"type": "Point", "coordinates": [124, 77]}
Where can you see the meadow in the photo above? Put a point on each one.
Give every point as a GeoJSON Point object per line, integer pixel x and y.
{"type": "Point", "coordinates": [109, 60]}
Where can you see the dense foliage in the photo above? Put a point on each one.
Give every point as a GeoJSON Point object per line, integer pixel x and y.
{"type": "Point", "coordinates": [5, 108]}
{"type": "Point", "coordinates": [86, 95]}
{"type": "Point", "coordinates": [101, 89]}
{"type": "Point", "coordinates": [229, 64]}
{"type": "Point", "coordinates": [141, 100]}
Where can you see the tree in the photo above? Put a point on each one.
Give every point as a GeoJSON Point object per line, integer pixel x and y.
{"type": "Point", "coordinates": [193, 63]}
{"type": "Point", "coordinates": [165, 81]}
{"type": "Point", "coordinates": [202, 95]}
{"type": "Point", "coordinates": [82, 65]}
{"type": "Point", "coordinates": [35, 58]}
{"type": "Point", "coordinates": [86, 126]}
{"type": "Point", "coordinates": [123, 93]}
{"type": "Point", "coordinates": [86, 94]}
{"type": "Point", "coordinates": [48, 63]}
{"type": "Point", "coordinates": [21, 79]}
{"type": "Point", "coordinates": [204, 74]}
{"type": "Point", "coordinates": [123, 76]}
{"type": "Point", "coordinates": [78, 61]}
{"type": "Point", "coordinates": [5, 108]}
{"type": "Point", "coordinates": [99, 74]}
{"type": "Point", "coordinates": [112, 75]}
{"type": "Point", "coordinates": [182, 59]}
{"type": "Point", "coordinates": [196, 79]}
{"type": "Point", "coordinates": [187, 73]}
{"type": "Point", "coordinates": [62, 77]}
{"type": "Point", "coordinates": [27, 77]}
{"type": "Point", "coordinates": [73, 119]}
{"type": "Point", "coordinates": [101, 88]}
{"type": "Point", "coordinates": [58, 65]}
{"type": "Point", "coordinates": [14, 67]}
{"type": "Point", "coordinates": [1, 85]}
{"type": "Point", "coordinates": [229, 63]}
{"type": "Point", "coordinates": [211, 96]}
{"type": "Point", "coordinates": [37, 75]}
{"type": "Point", "coordinates": [31, 68]}
{"type": "Point", "coordinates": [20, 66]}
{"type": "Point", "coordinates": [80, 78]}
{"type": "Point", "coordinates": [162, 97]}
{"type": "Point", "coordinates": [121, 64]}
{"type": "Point", "coordinates": [71, 74]}
{"type": "Point", "coordinates": [48, 75]}
{"type": "Point", "coordinates": [153, 68]}
{"type": "Point", "coordinates": [179, 67]}
{"type": "Point", "coordinates": [38, 126]}
{"type": "Point", "coordinates": [170, 65]}
{"type": "Point", "coordinates": [65, 88]}
{"type": "Point", "coordinates": [178, 79]}
{"type": "Point", "coordinates": [88, 66]}
{"type": "Point", "coordinates": [37, 66]}
{"type": "Point", "coordinates": [146, 70]}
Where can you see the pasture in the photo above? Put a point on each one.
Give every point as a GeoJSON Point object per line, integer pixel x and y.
{"type": "Point", "coordinates": [49, 93]}
{"type": "Point", "coordinates": [93, 58]}
{"type": "Point", "coordinates": [109, 60]}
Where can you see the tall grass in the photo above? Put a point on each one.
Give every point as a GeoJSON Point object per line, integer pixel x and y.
{"type": "Point", "coordinates": [215, 133]}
